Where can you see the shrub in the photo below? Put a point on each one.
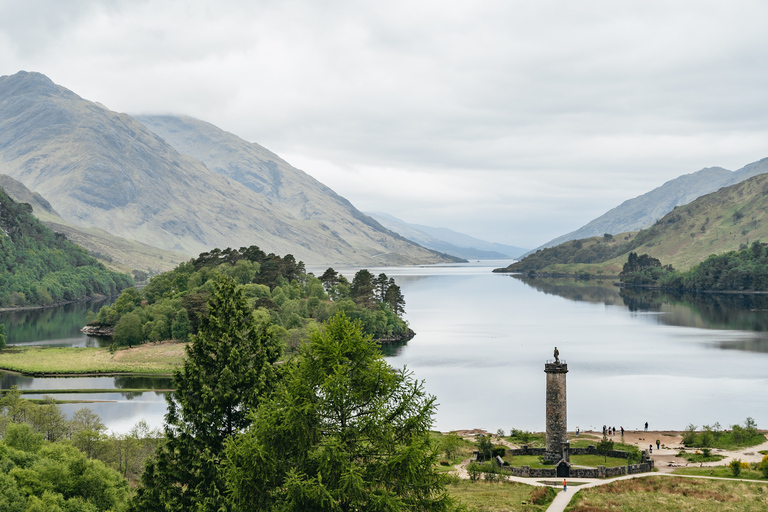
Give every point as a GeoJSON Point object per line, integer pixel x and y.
{"type": "Point", "coordinates": [474, 471]}
{"type": "Point", "coordinates": [689, 436]}
{"type": "Point", "coordinates": [706, 452]}
{"type": "Point", "coordinates": [498, 451]}
{"type": "Point", "coordinates": [735, 467]}
{"type": "Point", "coordinates": [445, 463]}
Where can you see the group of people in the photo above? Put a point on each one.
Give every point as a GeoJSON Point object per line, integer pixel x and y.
{"type": "Point", "coordinates": [611, 431]}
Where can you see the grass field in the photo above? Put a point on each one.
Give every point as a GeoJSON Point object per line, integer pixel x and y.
{"type": "Point", "coordinates": [154, 358]}
{"type": "Point", "coordinates": [721, 472]}
{"type": "Point", "coordinates": [651, 494]}
{"type": "Point", "coordinates": [501, 496]}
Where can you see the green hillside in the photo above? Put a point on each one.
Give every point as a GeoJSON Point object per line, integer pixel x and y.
{"type": "Point", "coordinates": [39, 267]}
{"type": "Point", "coordinates": [727, 220]}
{"type": "Point", "coordinates": [119, 254]}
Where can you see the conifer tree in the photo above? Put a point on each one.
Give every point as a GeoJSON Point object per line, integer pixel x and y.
{"type": "Point", "coordinates": [227, 371]}
{"type": "Point", "coordinates": [344, 431]}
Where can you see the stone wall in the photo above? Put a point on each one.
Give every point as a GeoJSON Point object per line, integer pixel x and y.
{"type": "Point", "coordinates": [527, 471]}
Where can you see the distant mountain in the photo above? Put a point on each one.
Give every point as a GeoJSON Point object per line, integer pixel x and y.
{"type": "Point", "coordinates": [448, 241]}
{"type": "Point", "coordinates": [114, 252]}
{"type": "Point", "coordinates": [106, 170]}
{"type": "Point", "coordinates": [726, 220]}
{"type": "Point", "coordinates": [644, 210]}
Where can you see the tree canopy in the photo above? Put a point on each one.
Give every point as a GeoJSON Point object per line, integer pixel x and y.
{"type": "Point", "coordinates": [344, 431]}
{"type": "Point", "coordinates": [173, 303]}
{"type": "Point", "coordinates": [227, 371]}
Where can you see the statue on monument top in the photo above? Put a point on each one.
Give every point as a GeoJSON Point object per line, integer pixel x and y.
{"type": "Point", "coordinates": [557, 356]}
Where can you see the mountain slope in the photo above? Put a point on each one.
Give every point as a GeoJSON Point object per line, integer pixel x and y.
{"type": "Point", "coordinates": [116, 253]}
{"type": "Point", "coordinates": [726, 220]}
{"type": "Point", "coordinates": [102, 169]}
{"type": "Point", "coordinates": [446, 240]}
{"type": "Point", "coordinates": [642, 211]}
{"type": "Point", "coordinates": [39, 267]}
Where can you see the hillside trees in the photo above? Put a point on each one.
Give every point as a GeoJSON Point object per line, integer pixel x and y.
{"type": "Point", "coordinates": [344, 431]}
{"type": "Point", "coordinates": [228, 370]}
{"type": "Point", "coordinates": [39, 267]}
{"type": "Point", "coordinates": [744, 270]}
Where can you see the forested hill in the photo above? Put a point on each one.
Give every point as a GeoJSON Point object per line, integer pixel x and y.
{"type": "Point", "coordinates": [39, 267]}
{"type": "Point", "coordinates": [727, 220]}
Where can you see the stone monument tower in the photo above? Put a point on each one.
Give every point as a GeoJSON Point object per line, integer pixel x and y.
{"type": "Point", "coordinates": [557, 421]}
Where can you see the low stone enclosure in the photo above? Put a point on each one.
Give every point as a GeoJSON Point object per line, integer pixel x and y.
{"type": "Point", "coordinates": [564, 469]}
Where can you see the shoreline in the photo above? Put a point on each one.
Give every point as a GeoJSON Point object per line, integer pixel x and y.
{"type": "Point", "coordinates": [32, 308]}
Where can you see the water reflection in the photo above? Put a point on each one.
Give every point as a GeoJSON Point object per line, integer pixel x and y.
{"type": "Point", "coordinates": [720, 311]}
{"type": "Point", "coordinates": [58, 326]}
{"type": "Point", "coordinates": [8, 379]}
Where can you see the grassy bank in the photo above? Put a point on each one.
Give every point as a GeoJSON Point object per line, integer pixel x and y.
{"type": "Point", "coordinates": [652, 494]}
{"type": "Point", "coordinates": [501, 496]}
{"type": "Point", "coordinates": [721, 472]}
{"type": "Point", "coordinates": [151, 358]}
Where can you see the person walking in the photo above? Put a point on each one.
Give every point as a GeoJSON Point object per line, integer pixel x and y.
{"type": "Point", "coordinates": [657, 444]}
{"type": "Point", "coordinates": [646, 426]}
{"type": "Point", "coordinates": [650, 448]}
{"type": "Point", "coordinates": [622, 431]}
{"type": "Point", "coordinates": [565, 485]}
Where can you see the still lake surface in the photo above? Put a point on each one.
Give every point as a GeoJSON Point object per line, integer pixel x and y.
{"type": "Point", "coordinates": [482, 341]}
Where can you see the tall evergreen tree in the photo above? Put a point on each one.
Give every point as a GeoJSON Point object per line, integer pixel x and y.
{"type": "Point", "coordinates": [395, 298]}
{"type": "Point", "coordinates": [363, 288]}
{"type": "Point", "coordinates": [343, 432]}
{"type": "Point", "coordinates": [227, 372]}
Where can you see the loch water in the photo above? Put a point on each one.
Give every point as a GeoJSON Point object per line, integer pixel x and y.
{"type": "Point", "coordinates": [482, 340]}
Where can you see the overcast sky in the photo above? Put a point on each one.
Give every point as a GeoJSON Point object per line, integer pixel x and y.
{"type": "Point", "coordinates": [512, 121]}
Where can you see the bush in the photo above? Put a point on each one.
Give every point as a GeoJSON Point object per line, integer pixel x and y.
{"type": "Point", "coordinates": [735, 467]}
{"type": "Point", "coordinates": [474, 471]}
{"type": "Point", "coordinates": [498, 451]}
{"type": "Point", "coordinates": [706, 452]}
{"type": "Point", "coordinates": [689, 436]}
{"type": "Point", "coordinates": [445, 463]}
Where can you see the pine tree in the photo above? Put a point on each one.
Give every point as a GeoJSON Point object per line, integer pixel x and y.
{"type": "Point", "coordinates": [344, 431]}
{"type": "Point", "coordinates": [227, 372]}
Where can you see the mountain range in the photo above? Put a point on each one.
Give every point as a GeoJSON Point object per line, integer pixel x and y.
{"type": "Point", "coordinates": [448, 241]}
{"type": "Point", "coordinates": [642, 211]}
{"type": "Point", "coordinates": [729, 219]}
{"type": "Point", "coordinates": [179, 184]}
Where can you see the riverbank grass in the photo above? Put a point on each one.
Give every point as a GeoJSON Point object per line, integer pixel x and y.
{"type": "Point", "coordinates": [151, 358]}
{"type": "Point", "coordinates": [651, 494]}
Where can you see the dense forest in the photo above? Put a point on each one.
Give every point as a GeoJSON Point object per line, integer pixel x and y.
{"type": "Point", "coordinates": [39, 267]}
{"type": "Point", "coordinates": [743, 270]}
{"type": "Point", "coordinates": [277, 288]}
